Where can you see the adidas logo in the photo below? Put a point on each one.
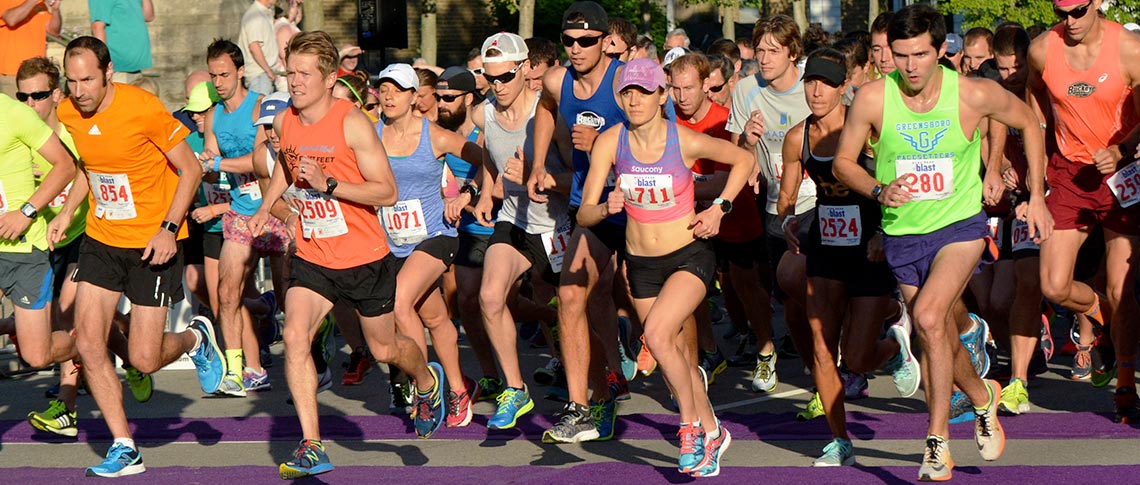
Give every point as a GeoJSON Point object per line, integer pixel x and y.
{"type": "Point", "coordinates": [94, 130]}
{"type": "Point", "coordinates": [25, 300]}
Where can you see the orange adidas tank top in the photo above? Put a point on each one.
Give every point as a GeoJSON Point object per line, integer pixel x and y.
{"type": "Point", "coordinates": [335, 234]}
{"type": "Point", "coordinates": [1092, 109]}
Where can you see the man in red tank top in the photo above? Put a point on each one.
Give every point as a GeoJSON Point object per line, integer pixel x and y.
{"type": "Point", "coordinates": [334, 173]}
{"type": "Point", "coordinates": [1084, 73]}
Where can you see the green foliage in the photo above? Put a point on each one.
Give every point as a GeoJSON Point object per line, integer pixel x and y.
{"type": "Point", "coordinates": [990, 13]}
{"type": "Point", "coordinates": [548, 16]}
{"type": "Point", "coordinates": [1124, 11]}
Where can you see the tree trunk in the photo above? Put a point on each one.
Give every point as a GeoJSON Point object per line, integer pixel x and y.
{"type": "Point", "coordinates": [728, 20]}
{"type": "Point", "coordinates": [872, 12]}
{"type": "Point", "coordinates": [314, 11]}
{"type": "Point", "coordinates": [526, 18]}
{"type": "Point", "coordinates": [799, 12]}
{"type": "Point", "coordinates": [429, 41]}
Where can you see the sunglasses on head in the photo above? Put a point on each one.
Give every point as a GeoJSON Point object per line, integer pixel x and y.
{"type": "Point", "coordinates": [503, 78]}
{"type": "Point", "coordinates": [447, 98]}
{"type": "Point", "coordinates": [38, 96]}
{"type": "Point", "coordinates": [1075, 13]}
{"type": "Point", "coordinates": [585, 41]}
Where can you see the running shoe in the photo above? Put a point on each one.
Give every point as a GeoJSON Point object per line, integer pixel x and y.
{"type": "Point", "coordinates": [855, 385]}
{"type": "Point", "coordinates": [692, 447]}
{"type": "Point", "coordinates": [714, 364]}
{"type": "Point", "coordinates": [604, 413]}
{"type": "Point", "coordinates": [1014, 398]}
{"type": "Point", "coordinates": [619, 387]}
{"type": "Point", "coordinates": [324, 340]}
{"type": "Point", "coordinates": [558, 390]}
{"type": "Point", "coordinates": [646, 363]}
{"type": "Point", "coordinates": [430, 408]}
{"type": "Point", "coordinates": [764, 376]}
{"type": "Point", "coordinates": [207, 357]}
{"type": "Point", "coordinates": [359, 363]}
{"type": "Point", "coordinates": [1103, 365]}
{"type": "Point", "coordinates": [575, 424]}
{"type": "Point", "coordinates": [513, 403]}
{"type": "Point", "coordinates": [325, 380]}
{"type": "Point", "coordinates": [837, 453]}
{"type": "Point", "coordinates": [56, 419]}
{"type": "Point", "coordinates": [458, 409]}
{"type": "Point", "coordinates": [1082, 363]}
{"type": "Point", "coordinates": [142, 385]}
{"type": "Point", "coordinates": [714, 450]}
{"type": "Point", "coordinates": [1046, 337]}
{"type": "Point", "coordinates": [232, 385]}
{"type": "Point", "coordinates": [309, 459]}
{"type": "Point", "coordinates": [488, 389]}
{"type": "Point", "coordinates": [543, 376]}
{"type": "Point", "coordinates": [988, 433]}
{"type": "Point", "coordinates": [628, 364]}
{"type": "Point", "coordinates": [903, 366]}
{"type": "Point", "coordinates": [1126, 406]}
{"type": "Point", "coordinates": [256, 381]}
{"type": "Point", "coordinates": [961, 410]}
{"type": "Point", "coordinates": [937, 465]}
{"type": "Point", "coordinates": [813, 410]}
{"type": "Point", "coordinates": [121, 461]}
{"type": "Point", "coordinates": [400, 392]}
{"type": "Point", "coordinates": [975, 342]}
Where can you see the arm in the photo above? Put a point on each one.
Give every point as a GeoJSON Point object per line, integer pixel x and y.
{"type": "Point", "coordinates": [993, 187]}
{"type": "Point", "coordinates": [13, 222]}
{"type": "Point", "coordinates": [379, 186]}
{"type": "Point", "coordinates": [544, 117]}
{"type": "Point", "coordinates": [148, 10]}
{"type": "Point", "coordinates": [18, 14]}
{"type": "Point", "coordinates": [163, 245]}
{"type": "Point", "coordinates": [863, 116]}
{"type": "Point", "coordinates": [710, 189]}
{"type": "Point", "coordinates": [56, 22]}
{"type": "Point", "coordinates": [57, 228]}
{"type": "Point", "coordinates": [594, 210]}
{"type": "Point", "coordinates": [447, 141]}
{"type": "Point", "coordinates": [99, 30]}
{"type": "Point", "coordinates": [259, 58]}
{"type": "Point", "coordinates": [793, 172]}
{"type": "Point", "coordinates": [697, 145]}
{"type": "Point", "coordinates": [242, 164]}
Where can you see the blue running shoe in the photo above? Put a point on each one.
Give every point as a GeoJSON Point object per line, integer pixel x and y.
{"type": "Point", "coordinates": [513, 403]}
{"type": "Point", "coordinates": [692, 447]}
{"type": "Point", "coordinates": [207, 357]}
{"type": "Point", "coordinates": [121, 461]}
{"type": "Point", "coordinates": [256, 381]}
{"type": "Point", "coordinates": [605, 418]}
{"type": "Point", "coordinates": [961, 409]}
{"type": "Point", "coordinates": [309, 459]}
{"type": "Point", "coordinates": [628, 364]}
{"type": "Point", "coordinates": [430, 410]}
{"type": "Point", "coordinates": [975, 343]}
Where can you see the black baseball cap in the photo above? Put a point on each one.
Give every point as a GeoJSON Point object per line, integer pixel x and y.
{"type": "Point", "coordinates": [594, 17]}
{"type": "Point", "coordinates": [828, 70]}
{"type": "Point", "coordinates": [457, 78]}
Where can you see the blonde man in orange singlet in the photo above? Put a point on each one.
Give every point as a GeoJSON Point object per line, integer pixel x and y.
{"type": "Point", "coordinates": [334, 173]}
{"type": "Point", "coordinates": [1084, 75]}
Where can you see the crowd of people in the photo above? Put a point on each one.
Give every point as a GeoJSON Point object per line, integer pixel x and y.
{"type": "Point", "coordinates": [971, 193]}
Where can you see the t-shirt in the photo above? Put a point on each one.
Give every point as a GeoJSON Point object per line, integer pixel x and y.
{"type": "Point", "coordinates": [79, 219]}
{"type": "Point", "coordinates": [257, 26]}
{"type": "Point", "coordinates": [124, 155]}
{"type": "Point", "coordinates": [127, 35]}
{"type": "Point", "coordinates": [22, 132]}
{"type": "Point", "coordinates": [23, 41]}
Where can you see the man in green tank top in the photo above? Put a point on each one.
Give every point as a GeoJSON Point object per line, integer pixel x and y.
{"type": "Point", "coordinates": [923, 121]}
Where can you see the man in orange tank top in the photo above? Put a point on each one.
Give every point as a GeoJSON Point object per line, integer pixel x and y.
{"type": "Point", "coordinates": [1084, 75]}
{"type": "Point", "coordinates": [334, 173]}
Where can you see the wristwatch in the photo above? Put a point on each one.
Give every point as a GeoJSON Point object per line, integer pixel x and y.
{"type": "Point", "coordinates": [470, 189]}
{"type": "Point", "coordinates": [172, 227]}
{"type": "Point", "coordinates": [725, 205]}
{"type": "Point", "coordinates": [331, 182]}
{"type": "Point", "coordinates": [29, 210]}
{"type": "Point", "coordinates": [876, 191]}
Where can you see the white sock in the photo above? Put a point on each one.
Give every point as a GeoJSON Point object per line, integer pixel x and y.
{"type": "Point", "coordinates": [129, 443]}
{"type": "Point", "coordinates": [715, 433]}
{"type": "Point", "coordinates": [197, 343]}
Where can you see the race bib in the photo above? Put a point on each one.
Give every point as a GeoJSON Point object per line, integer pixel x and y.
{"type": "Point", "coordinates": [839, 225]}
{"type": "Point", "coordinates": [995, 225]}
{"type": "Point", "coordinates": [648, 191]}
{"type": "Point", "coordinates": [1125, 185]}
{"type": "Point", "coordinates": [320, 214]}
{"type": "Point", "coordinates": [555, 243]}
{"type": "Point", "coordinates": [404, 222]}
{"type": "Point", "coordinates": [251, 190]}
{"type": "Point", "coordinates": [113, 198]}
{"type": "Point", "coordinates": [1020, 236]}
{"type": "Point", "coordinates": [3, 200]}
{"type": "Point", "coordinates": [217, 194]}
{"type": "Point", "coordinates": [59, 200]}
{"type": "Point", "coordinates": [930, 179]}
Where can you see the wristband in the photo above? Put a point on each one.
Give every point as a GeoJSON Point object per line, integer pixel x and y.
{"type": "Point", "coordinates": [213, 214]}
{"type": "Point", "coordinates": [784, 225]}
{"type": "Point", "coordinates": [217, 163]}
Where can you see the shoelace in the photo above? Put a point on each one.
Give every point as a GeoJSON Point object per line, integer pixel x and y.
{"type": "Point", "coordinates": [597, 411]}
{"type": "Point", "coordinates": [504, 397]}
{"type": "Point", "coordinates": [486, 383]}
{"type": "Point", "coordinates": [834, 448]}
{"type": "Point", "coordinates": [764, 368]}
{"type": "Point", "coordinates": [424, 408]}
{"type": "Point", "coordinates": [689, 435]}
{"type": "Point", "coordinates": [453, 403]}
{"type": "Point", "coordinates": [933, 450]}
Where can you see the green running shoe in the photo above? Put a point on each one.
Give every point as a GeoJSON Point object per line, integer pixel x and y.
{"type": "Point", "coordinates": [142, 385]}
{"type": "Point", "coordinates": [814, 409]}
{"type": "Point", "coordinates": [56, 419]}
{"type": "Point", "coordinates": [1014, 398]}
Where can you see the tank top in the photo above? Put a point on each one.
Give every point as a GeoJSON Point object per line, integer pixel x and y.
{"type": "Point", "coordinates": [333, 233]}
{"type": "Point", "coordinates": [659, 191]}
{"type": "Point", "coordinates": [1093, 109]}
{"type": "Point", "coordinates": [418, 214]}
{"type": "Point", "coordinates": [235, 133]}
{"type": "Point", "coordinates": [518, 209]}
{"type": "Point", "coordinates": [465, 173]}
{"type": "Point", "coordinates": [845, 220]}
{"type": "Point", "coordinates": [932, 152]}
{"type": "Point", "coordinates": [599, 111]}
{"type": "Point", "coordinates": [79, 219]}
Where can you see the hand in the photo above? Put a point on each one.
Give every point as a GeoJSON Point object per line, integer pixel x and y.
{"type": "Point", "coordinates": [453, 209]}
{"type": "Point", "coordinates": [12, 224]}
{"type": "Point", "coordinates": [1021, 210]}
{"type": "Point", "coordinates": [310, 171]}
{"type": "Point", "coordinates": [875, 252]}
{"type": "Point", "coordinates": [707, 223]}
{"type": "Point", "coordinates": [992, 188]}
{"type": "Point", "coordinates": [57, 228]}
{"type": "Point", "coordinates": [202, 215]}
{"type": "Point", "coordinates": [535, 184]}
{"type": "Point", "coordinates": [256, 223]}
{"type": "Point", "coordinates": [616, 201]}
{"type": "Point", "coordinates": [896, 193]}
{"type": "Point", "coordinates": [1106, 159]}
{"type": "Point", "coordinates": [1010, 178]}
{"type": "Point", "coordinates": [161, 247]}
{"type": "Point", "coordinates": [483, 209]}
{"type": "Point", "coordinates": [516, 167]}
{"type": "Point", "coordinates": [754, 128]}
{"type": "Point", "coordinates": [754, 180]}
{"type": "Point", "coordinates": [582, 137]}
{"type": "Point", "coordinates": [36, 172]}
{"type": "Point", "coordinates": [792, 234]}
{"type": "Point", "coordinates": [1039, 220]}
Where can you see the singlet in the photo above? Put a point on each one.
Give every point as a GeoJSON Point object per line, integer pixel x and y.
{"type": "Point", "coordinates": [1092, 109]}
{"type": "Point", "coordinates": [932, 152]}
{"type": "Point", "coordinates": [79, 219]}
{"type": "Point", "coordinates": [418, 214]}
{"type": "Point", "coordinates": [517, 207]}
{"type": "Point", "coordinates": [844, 220]}
{"type": "Point", "coordinates": [465, 173]}
{"type": "Point", "coordinates": [659, 191]}
{"type": "Point", "coordinates": [235, 133]}
{"type": "Point", "coordinates": [22, 133]}
{"type": "Point", "coordinates": [332, 233]}
{"type": "Point", "coordinates": [217, 192]}
{"type": "Point", "coordinates": [600, 111]}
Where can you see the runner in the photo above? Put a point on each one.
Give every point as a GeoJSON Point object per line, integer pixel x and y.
{"type": "Point", "coordinates": [1087, 69]}
{"type": "Point", "coordinates": [329, 146]}
{"type": "Point", "coordinates": [671, 263]}
{"type": "Point", "coordinates": [142, 178]}
{"type": "Point", "coordinates": [927, 170]}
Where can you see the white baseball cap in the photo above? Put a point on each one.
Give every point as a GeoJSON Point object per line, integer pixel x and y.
{"type": "Point", "coordinates": [511, 48]}
{"type": "Point", "coordinates": [401, 74]}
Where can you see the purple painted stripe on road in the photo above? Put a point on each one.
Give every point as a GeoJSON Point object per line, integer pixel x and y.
{"type": "Point", "coordinates": [764, 426]}
{"type": "Point", "coordinates": [592, 473]}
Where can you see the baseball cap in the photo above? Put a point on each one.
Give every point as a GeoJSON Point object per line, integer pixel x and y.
{"type": "Point", "coordinates": [202, 96]}
{"type": "Point", "coordinates": [457, 78]}
{"type": "Point", "coordinates": [1068, 3]}
{"type": "Point", "coordinates": [594, 17]}
{"type": "Point", "coordinates": [643, 73]}
{"type": "Point", "coordinates": [828, 70]}
{"type": "Point", "coordinates": [271, 105]}
{"type": "Point", "coordinates": [511, 48]}
{"type": "Point", "coordinates": [1133, 26]}
{"type": "Point", "coordinates": [401, 74]}
{"type": "Point", "coordinates": [672, 55]}
{"type": "Point", "coordinates": [954, 44]}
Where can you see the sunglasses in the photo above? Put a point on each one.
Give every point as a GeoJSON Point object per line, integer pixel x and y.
{"type": "Point", "coordinates": [478, 71]}
{"type": "Point", "coordinates": [717, 88]}
{"type": "Point", "coordinates": [448, 98]}
{"type": "Point", "coordinates": [38, 96]}
{"type": "Point", "coordinates": [584, 41]}
{"type": "Point", "coordinates": [503, 78]}
{"type": "Point", "coordinates": [1075, 13]}
{"type": "Point", "coordinates": [371, 106]}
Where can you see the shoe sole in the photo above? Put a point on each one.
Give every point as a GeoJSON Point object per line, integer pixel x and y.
{"type": "Point", "coordinates": [126, 471]}
{"type": "Point", "coordinates": [69, 432]}
{"type": "Point", "coordinates": [288, 473]}
{"type": "Point", "coordinates": [514, 420]}
{"type": "Point", "coordinates": [550, 439]}
{"type": "Point", "coordinates": [849, 461]}
{"type": "Point", "coordinates": [904, 340]}
{"type": "Point", "coordinates": [719, 456]}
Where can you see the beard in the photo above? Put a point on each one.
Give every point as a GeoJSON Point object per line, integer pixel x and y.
{"type": "Point", "coordinates": [452, 120]}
